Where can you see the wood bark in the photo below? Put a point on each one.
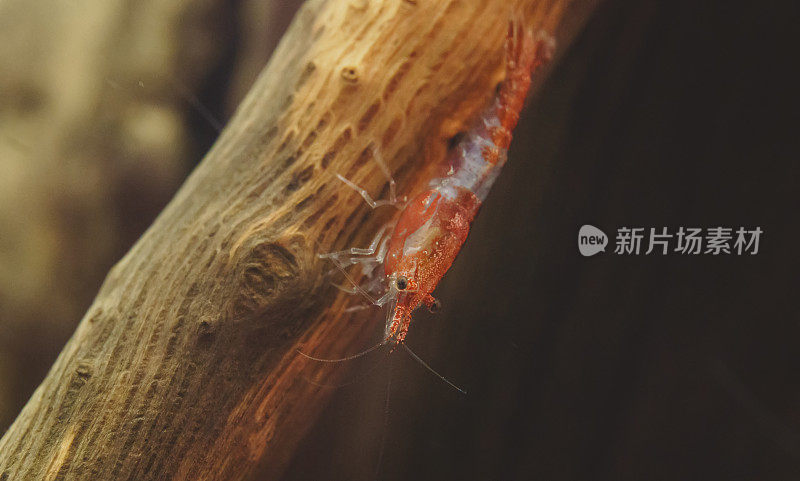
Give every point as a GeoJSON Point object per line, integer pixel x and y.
{"type": "Point", "coordinates": [185, 365]}
{"type": "Point", "coordinates": [96, 136]}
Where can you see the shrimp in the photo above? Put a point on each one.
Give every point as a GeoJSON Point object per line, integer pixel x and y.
{"type": "Point", "coordinates": [432, 227]}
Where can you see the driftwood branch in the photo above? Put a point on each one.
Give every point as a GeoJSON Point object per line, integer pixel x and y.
{"type": "Point", "coordinates": [185, 366]}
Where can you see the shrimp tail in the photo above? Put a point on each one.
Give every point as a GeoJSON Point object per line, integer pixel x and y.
{"type": "Point", "coordinates": [526, 50]}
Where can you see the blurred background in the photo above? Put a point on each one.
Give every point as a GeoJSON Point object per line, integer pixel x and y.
{"type": "Point", "coordinates": [611, 367]}
{"type": "Point", "coordinates": [105, 107]}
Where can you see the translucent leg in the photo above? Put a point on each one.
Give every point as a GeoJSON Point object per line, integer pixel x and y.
{"type": "Point", "coordinates": [374, 253]}
{"type": "Point", "coordinates": [376, 154]}
{"type": "Point", "coordinates": [349, 290]}
{"type": "Point", "coordinates": [356, 288]}
{"type": "Point", "coordinates": [348, 254]}
{"type": "Point", "coordinates": [393, 201]}
{"type": "Point", "coordinates": [367, 198]}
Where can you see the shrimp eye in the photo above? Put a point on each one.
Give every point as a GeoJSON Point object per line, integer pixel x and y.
{"type": "Point", "coordinates": [402, 283]}
{"type": "Point", "coordinates": [435, 306]}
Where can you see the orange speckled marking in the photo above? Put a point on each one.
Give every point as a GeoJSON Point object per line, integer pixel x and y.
{"type": "Point", "coordinates": [446, 224]}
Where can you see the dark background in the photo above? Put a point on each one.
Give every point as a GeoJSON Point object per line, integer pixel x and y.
{"type": "Point", "coordinates": [653, 367]}
{"type": "Point", "coordinates": [613, 367]}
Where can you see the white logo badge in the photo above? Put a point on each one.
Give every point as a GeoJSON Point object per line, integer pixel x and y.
{"type": "Point", "coordinates": [591, 240]}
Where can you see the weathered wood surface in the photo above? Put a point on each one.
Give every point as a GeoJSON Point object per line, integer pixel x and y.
{"type": "Point", "coordinates": [185, 366]}
{"type": "Point", "coordinates": [100, 123]}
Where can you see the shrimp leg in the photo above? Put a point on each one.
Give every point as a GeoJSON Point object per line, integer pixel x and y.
{"type": "Point", "coordinates": [393, 200]}
{"type": "Point", "coordinates": [351, 253]}
{"type": "Point", "coordinates": [376, 251]}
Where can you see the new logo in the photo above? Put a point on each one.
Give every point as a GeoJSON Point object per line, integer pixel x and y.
{"type": "Point", "coordinates": [591, 240]}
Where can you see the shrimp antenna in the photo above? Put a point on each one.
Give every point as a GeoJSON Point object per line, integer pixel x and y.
{"type": "Point", "coordinates": [348, 358]}
{"type": "Point", "coordinates": [419, 360]}
{"type": "Point", "coordinates": [385, 420]}
{"type": "Point", "coordinates": [357, 378]}
{"type": "Point", "coordinates": [197, 105]}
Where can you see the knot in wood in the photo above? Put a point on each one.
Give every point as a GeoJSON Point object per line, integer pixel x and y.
{"type": "Point", "coordinates": [267, 269]}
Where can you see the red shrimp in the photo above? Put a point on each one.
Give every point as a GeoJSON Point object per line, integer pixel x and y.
{"type": "Point", "coordinates": [433, 225]}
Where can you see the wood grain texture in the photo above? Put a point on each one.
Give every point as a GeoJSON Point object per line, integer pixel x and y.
{"type": "Point", "coordinates": [185, 366]}
{"type": "Point", "coordinates": [96, 136]}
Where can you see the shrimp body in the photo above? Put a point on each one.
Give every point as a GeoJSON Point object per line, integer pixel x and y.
{"type": "Point", "coordinates": [423, 246]}
{"type": "Point", "coordinates": [434, 225]}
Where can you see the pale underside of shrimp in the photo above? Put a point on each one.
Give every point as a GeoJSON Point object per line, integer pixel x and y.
{"type": "Point", "coordinates": [417, 251]}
